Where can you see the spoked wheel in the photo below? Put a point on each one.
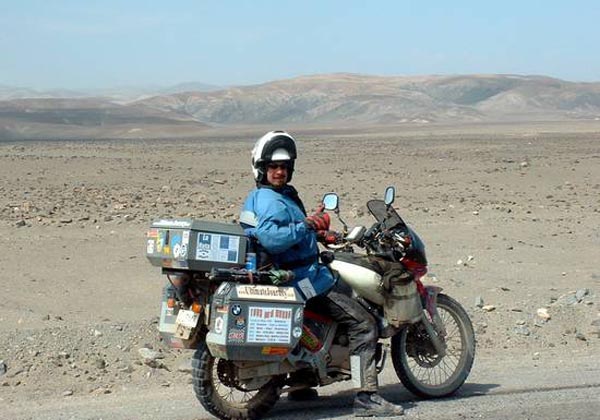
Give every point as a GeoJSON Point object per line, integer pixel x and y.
{"type": "Point", "coordinates": [418, 365]}
{"type": "Point", "coordinates": [223, 395]}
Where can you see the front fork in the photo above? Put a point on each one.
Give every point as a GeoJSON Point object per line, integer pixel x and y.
{"type": "Point", "coordinates": [433, 323]}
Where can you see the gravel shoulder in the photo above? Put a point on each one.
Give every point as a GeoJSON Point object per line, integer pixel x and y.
{"type": "Point", "coordinates": [564, 388]}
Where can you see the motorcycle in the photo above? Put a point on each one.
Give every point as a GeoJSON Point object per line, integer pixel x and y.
{"type": "Point", "coordinates": [255, 341]}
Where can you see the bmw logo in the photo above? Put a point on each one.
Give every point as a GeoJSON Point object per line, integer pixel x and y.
{"type": "Point", "coordinates": [236, 309]}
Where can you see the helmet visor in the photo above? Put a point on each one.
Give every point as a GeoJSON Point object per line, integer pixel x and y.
{"type": "Point", "coordinates": [278, 165]}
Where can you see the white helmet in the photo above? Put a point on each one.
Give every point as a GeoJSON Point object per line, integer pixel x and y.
{"type": "Point", "coordinates": [273, 146]}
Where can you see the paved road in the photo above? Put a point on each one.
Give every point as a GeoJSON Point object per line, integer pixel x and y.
{"type": "Point", "coordinates": [507, 390]}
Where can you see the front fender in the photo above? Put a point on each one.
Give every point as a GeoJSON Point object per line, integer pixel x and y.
{"type": "Point", "coordinates": [430, 295]}
{"type": "Point", "coordinates": [430, 304]}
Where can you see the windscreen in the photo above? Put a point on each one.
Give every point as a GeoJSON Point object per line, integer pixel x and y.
{"type": "Point", "coordinates": [384, 214]}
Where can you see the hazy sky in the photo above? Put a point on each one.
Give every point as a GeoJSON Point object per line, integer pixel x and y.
{"type": "Point", "coordinates": [86, 44]}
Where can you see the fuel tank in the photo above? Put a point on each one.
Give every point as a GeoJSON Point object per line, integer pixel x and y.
{"type": "Point", "coordinates": [359, 274]}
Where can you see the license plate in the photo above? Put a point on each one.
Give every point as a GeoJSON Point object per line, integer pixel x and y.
{"type": "Point", "coordinates": [188, 319]}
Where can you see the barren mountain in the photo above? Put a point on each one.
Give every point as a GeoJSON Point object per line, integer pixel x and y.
{"type": "Point", "coordinates": [116, 93]}
{"type": "Point", "coordinates": [349, 98]}
{"type": "Point", "coordinates": [331, 99]}
{"type": "Point", "coordinates": [87, 118]}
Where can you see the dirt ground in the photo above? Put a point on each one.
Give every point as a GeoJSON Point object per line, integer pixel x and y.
{"type": "Point", "coordinates": [510, 218]}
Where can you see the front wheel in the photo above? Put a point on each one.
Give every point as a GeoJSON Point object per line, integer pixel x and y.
{"type": "Point", "coordinates": [221, 393]}
{"type": "Point", "coordinates": [420, 368]}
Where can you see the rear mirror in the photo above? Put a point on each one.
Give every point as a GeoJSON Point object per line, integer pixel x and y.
{"type": "Point", "coordinates": [330, 201]}
{"type": "Point", "coordinates": [390, 194]}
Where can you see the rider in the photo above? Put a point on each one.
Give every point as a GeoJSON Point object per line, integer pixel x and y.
{"type": "Point", "coordinates": [274, 215]}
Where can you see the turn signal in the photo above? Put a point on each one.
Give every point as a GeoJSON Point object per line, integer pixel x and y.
{"type": "Point", "coordinates": [170, 303]}
{"type": "Point", "coordinates": [196, 307]}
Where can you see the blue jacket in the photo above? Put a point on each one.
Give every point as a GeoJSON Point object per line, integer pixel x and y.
{"type": "Point", "coordinates": [275, 217]}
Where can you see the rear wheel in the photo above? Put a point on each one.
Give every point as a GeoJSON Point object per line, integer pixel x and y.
{"type": "Point", "coordinates": [418, 365]}
{"type": "Point", "coordinates": [223, 395]}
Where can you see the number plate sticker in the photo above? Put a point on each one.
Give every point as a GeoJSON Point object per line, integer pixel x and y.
{"type": "Point", "coordinates": [187, 319]}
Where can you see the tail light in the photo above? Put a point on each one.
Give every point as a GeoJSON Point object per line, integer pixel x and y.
{"type": "Point", "coordinates": [196, 307]}
{"type": "Point", "coordinates": [171, 302]}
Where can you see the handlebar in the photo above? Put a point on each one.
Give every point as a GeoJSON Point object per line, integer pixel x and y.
{"type": "Point", "coordinates": [389, 237]}
{"type": "Point", "coordinates": [369, 233]}
{"type": "Point", "coordinates": [386, 243]}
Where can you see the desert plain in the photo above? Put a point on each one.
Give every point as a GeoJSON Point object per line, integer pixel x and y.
{"type": "Point", "coordinates": [510, 215]}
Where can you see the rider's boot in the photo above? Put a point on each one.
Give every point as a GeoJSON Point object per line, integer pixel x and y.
{"type": "Point", "coordinates": [368, 403]}
{"type": "Point", "coordinates": [371, 404]}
